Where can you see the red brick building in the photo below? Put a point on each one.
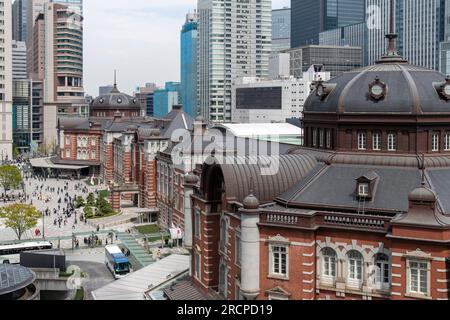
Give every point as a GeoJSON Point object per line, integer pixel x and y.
{"type": "Point", "coordinates": [360, 212]}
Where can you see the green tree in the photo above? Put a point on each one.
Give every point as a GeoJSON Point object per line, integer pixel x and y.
{"type": "Point", "coordinates": [104, 206]}
{"type": "Point", "coordinates": [10, 177]}
{"type": "Point", "coordinates": [90, 201]}
{"type": "Point", "coordinates": [79, 202]}
{"type": "Point", "coordinates": [16, 152]}
{"type": "Point", "coordinates": [20, 218]}
{"type": "Point", "coordinates": [88, 212]}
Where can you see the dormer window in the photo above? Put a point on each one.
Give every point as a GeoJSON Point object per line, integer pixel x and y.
{"type": "Point", "coordinates": [363, 190]}
{"type": "Point", "coordinates": [366, 185]}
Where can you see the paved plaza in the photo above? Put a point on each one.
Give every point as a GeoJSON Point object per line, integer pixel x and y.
{"type": "Point", "coordinates": [47, 223]}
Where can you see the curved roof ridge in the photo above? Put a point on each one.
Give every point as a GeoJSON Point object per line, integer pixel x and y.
{"type": "Point", "coordinates": [413, 89]}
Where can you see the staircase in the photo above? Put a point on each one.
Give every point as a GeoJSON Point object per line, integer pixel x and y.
{"type": "Point", "coordinates": [140, 255]}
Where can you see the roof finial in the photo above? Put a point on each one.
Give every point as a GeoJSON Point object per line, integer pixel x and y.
{"type": "Point", "coordinates": [392, 50]}
{"type": "Point", "coordinates": [423, 170]}
{"type": "Point", "coordinates": [115, 78]}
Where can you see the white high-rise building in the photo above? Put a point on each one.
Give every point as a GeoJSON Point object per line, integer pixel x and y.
{"type": "Point", "coordinates": [63, 72]}
{"type": "Point", "coordinates": [6, 136]}
{"type": "Point", "coordinates": [234, 42]}
{"type": "Point", "coordinates": [19, 60]}
{"type": "Point", "coordinates": [257, 100]}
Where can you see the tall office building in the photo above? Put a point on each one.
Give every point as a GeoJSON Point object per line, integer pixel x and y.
{"type": "Point", "coordinates": [234, 42]}
{"type": "Point", "coordinates": [281, 29]}
{"type": "Point", "coordinates": [19, 20]}
{"type": "Point", "coordinates": [36, 56]}
{"type": "Point", "coordinates": [145, 96]}
{"type": "Point", "coordinates": [63, 70]}
{"type": "Point", "coordinates": [189, 42]}
{"type": "Point", "coordinates": [27, 114]}
{"type": "Point", "coordinates": [6, 139]}
{"type": "Point", "coordinates": [165, 99]}
{"type": "Point", "coordinates": [310, 17]}
{"type": "Point", "coordinates": [19, 60]}
{"type": "Point", "coordinates": [421, 25]}
{"type": "Point", "coordinates": [444, 60]}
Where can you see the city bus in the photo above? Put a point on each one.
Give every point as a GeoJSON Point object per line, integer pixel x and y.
{"type": "Point", "coordinates": [10, 253]}
{"type": "Point", "coordinates": [117, 262]}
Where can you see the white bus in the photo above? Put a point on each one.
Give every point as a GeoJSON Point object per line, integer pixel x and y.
{"type": "Point", "coordinates": [10, 253]}
{"type": "Point", "coordinates": [117, 262]}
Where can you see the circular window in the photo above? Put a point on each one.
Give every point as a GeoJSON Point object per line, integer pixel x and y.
{"type": "Point", "coordinates": [119, 100]}
{"type": "Point", "coordinates": [101, 100]}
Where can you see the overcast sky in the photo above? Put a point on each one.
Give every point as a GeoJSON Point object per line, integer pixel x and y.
{"type": "Point", "coordinates": [140, 38]}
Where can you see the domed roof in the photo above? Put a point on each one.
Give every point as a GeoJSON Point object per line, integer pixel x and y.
{"type": "Point", "coordinates": [191, 178]}
{"type": "Point", "coordinates": [422, 194]}
{"type": "Point", "coordinates": [115, 99]}
{"type": "Point", "coordinates": [404, 89]}
{"type": "Point", "coordinates": [391, 86]}
{"type": "Point", "coordinates": [251, 202]}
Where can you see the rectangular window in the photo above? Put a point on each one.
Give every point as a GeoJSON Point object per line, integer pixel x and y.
{"type": "Point", "coordinates": [314, 137]}
{"type": "Point", "coordinates": [447, 142]}
{"type": "Point", "coordinates": [392, 142]}
{"type": "Point", "coordinates": [363, 189]}
{"type": "Point", "coordinates": [67, 153]}
{"type": "Point", "coordinates": [362, 141]}
{"type": "Point", "coordinates": [93, 142]}
{"type": "Point", "coordinates": [377, 142]}
{"type": "Point", "coordinates": [328, 139]}
{"type": "Point", "coordinates": [238, 249]}
{"type": "Point", "coordinates": [418, 277]}
{"type": "Point", "coordinates": [197, 223]}
{"type": "Point", "coordinates": [279, 261]}
{"type": "Point", "coordinates": [435, 142]}
{"type": "Point", "coordinates": [197, 266]}
{"type": "Point", "coordinates": [321, 138]}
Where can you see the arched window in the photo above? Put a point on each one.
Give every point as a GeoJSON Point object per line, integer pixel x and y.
{"type": "Point", "coordinates": [355, 267]}
{"type": "Point", "coordinates": [223, 235]}
{"type": "Point", "coordinates": [223, 280]}
{"type": "Point", "coordinates": [382, 271]}
{"type": "Point", "coordinates": [328, 263]}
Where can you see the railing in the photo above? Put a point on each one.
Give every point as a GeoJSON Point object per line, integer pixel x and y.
{"type": "Point", "coordinates": [282, 218]}
{"type": "Point", "coordinates": [326, 219]}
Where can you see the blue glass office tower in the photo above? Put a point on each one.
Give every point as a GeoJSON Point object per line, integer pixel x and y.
{"type": "Point", "coordinates": [189, 40]}
{"type": "Point", "coordinates": [311, 17]}
{"type": "Point", "coordinates": [281, 29]}
{"type": "Point", "coordinates": [165, 99]}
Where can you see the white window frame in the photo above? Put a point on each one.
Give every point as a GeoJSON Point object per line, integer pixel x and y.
{"type": "Point", "coordinates": [420, 263]}
{"type": "Point", "coordinates": [447, 142]}
{"type": "Point", "coordinates": [376, 141]}
{"type": "Point", "coordinates": [329, 265]}
{"type": "Point", "coordinates": [355, 269]}
{"type": "Point", "coordinates": [273, 257]}
{"type": "Point", "coordinates": [328, 138]}
{"type": "Point", "coordinates": [382, 266]}
{"type": "Point", "coordinates": [435, 142]}
{"type": "Point", "coordinates": [363, 189]}
{"type": "Point", "coordinates": [362, 141]}
{"type": "Point", "coordinates": [67, 153]}
{"type": "Point", "coordinates": [392, 142]}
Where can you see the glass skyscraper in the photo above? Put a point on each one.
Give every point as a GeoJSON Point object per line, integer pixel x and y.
{"type": "Point", "coordinates": [281, 29]}
{"type": "Point", "coordinates": [165, 99]}
{"type": "Point", "coordinates": [189, 40]}
{"type": "Point", "coordinates": [310, 17]}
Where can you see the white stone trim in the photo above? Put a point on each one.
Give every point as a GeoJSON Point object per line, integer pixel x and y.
{"type": "Point", "coordinates": [395, 265]}
{"type": "Point", "coordinates": [308, 264]}
{"type": "Point", "coordinates": [308, 255]}
{"type": "Point", "coordinates": [443, 290]}
{"type": "Point", "coordinates": [443, 280]}
{"type": "Point", "coordinates": [308, 291]}
{"type": "Point", "coordinates": [396, 275]}
{"type": "Point", "coordinates": [308, 281]}
{"type": "Point", "coordinates": [308, 273]}
{"type": "Point", "coordinates": [396, 293]}
{"type": "Point", "coordinates": [396, 284]}
{"type": "Point", "coordinates": [443, 270]}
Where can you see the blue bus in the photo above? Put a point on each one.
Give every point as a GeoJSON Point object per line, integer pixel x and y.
{"type": "Point", "coordinates": [117, 262]}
